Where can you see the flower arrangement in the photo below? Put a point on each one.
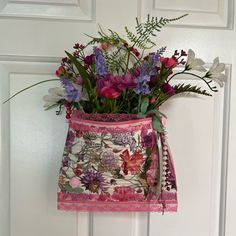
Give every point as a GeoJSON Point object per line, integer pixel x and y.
{"type": "Point", "coordinates": [111, 74]}
{"type": "Point", "coordinates": [118, 76]}
{"type": "Point", "coordinates": [122, 166]}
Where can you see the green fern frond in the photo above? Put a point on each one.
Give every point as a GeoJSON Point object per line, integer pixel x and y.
{"type": "Point", "coordinates": [183, 88]}
{"type": "Point", "coordinates": [113, 38]}
{"type": "Point", "coordinates": [144, 31]}
{"type": "Point", "coordinates": [115, 60]}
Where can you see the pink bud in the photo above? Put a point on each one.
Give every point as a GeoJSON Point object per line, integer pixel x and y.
{"type": "Point", "coordinates": [74, 182]}
{"type": "Point", "coordinates": [79, 80]}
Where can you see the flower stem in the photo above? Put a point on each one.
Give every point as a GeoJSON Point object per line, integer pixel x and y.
{"type": "Point", "coordinates": [139, 102]}
{"type": "Point", "coordinates": [178, 73]}
{"type": "Point", "coordinates": [127, 63]}
{"type": "Point", "coordinates": [200, 77]}
{"type": "Point", "coordinates": [31, 86]}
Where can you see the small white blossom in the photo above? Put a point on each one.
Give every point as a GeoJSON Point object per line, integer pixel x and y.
{"type": "Point", "coordinates": [84, 94]}
{"type": "Point", "coordinates": [215, 72]}
{"type": "Point", "coordinates": [55, 95]}
{"type": "Point", "coordinates": [194, 63]}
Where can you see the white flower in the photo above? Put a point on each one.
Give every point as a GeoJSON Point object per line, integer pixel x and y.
{"type": "Point", "coordinates": [215, 72]}
{"type": "Point", "coordinates": [194, 63]}
{"type": "Point", "coordinates": [84, 94]}
{"type": "Point", "coordinates": [55, 95]}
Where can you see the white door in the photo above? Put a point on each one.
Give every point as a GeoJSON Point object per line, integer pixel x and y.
{"type": "Point", "coordinates": [34, 35]}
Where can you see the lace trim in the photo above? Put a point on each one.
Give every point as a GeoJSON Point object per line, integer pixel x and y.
{"type": "Point", "coordinates": [105, 117]}
{"type": "Point", "coordinates": [111, 130]}
{"type": "Point", "coordinates": [113, 207]}
{"type": "Point", "coordinates": [170, 197]}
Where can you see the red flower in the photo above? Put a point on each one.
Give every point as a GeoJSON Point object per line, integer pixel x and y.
{"type": "Point", "coordinates": [110, 93]}
{"type": "Point", "coordinates": [88, 60]}
{"type": "Point", "coordinates": [168, 62]}
{"type": "Point", "coordinates": [135, 52]}
{"type": "Point", "coordinates": [131, 163]}
{"type": "Point", "coordinates": [64, 59]}
{"type": "Point", "coordinates": [78, 46]}
{"type": "Point", "coordinates": [183, 53]}
{"type": "Point", "coordinates": [60, 71]}
{"type": "Point", "coordinates": [77, 171]}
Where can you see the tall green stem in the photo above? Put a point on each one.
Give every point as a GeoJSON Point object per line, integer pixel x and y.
{"type": "Point", "coordinates": [127, 63]}
{"type": "Point", "coordinates": [31, 86]}
{"type": "Point", "coordinates": [139, 102]}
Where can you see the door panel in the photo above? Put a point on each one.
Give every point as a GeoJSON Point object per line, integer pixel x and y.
{"type": "Point", "coordinates": [32, 140]}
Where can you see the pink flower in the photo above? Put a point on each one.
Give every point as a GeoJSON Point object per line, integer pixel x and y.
{"type": "Point", "coordinates": [77, 170]}
{"type": "Point", "coordinates": [109, 92]}
{"type": "Point", "coordinates": [123, 82]}
{"type": "Point", "coordinates": [168, 62]}
{"type": "Point", "coordinates": [168, 89]}
{"type": "Point", "coordinates": [74, 182]}
{"type": "Point", "coordinates": [152, 100]}
{"type": "Point", "coordinates": [112, 85]}
{"type": "Point", "coordinates": [105, 46]}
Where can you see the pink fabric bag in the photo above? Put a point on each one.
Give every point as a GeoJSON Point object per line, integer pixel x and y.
{"type": "Point", "coordinates": [116, 162]}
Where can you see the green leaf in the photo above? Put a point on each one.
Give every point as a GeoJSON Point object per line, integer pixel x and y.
{"type": "Point", "coordinates": [156, 112]}
{"type": "Point", "coordinates": [141, 115]}
{"type": "Point", "coordinates": [29, 87]}
{"type": "Point", "coordinates": [144, 104]}
{"type": "Point", "coordinates": [188, 88]}
{"type": "Point", "coordinates": [86, 79]}
{"type": "Point", "coordinates": [83, 73]}
{"type": "Point", "coordinates": [68, 188]}
{"type": "Point", "coordinates": [156, 124]}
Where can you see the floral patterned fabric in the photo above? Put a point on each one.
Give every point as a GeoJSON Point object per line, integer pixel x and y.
{"type": "Point", "coordinates": [116, 166]}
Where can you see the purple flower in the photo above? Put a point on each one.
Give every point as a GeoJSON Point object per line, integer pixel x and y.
{"type": "Point", "coordinates": [148, 140]}
{"type": "Point", "coordinates": [154, 59]}
{"type": "Point", "coordinates": [72, 94]}
{"type": "Point", "coordinates": [142, 81]}
{"type": "Point", "coordinates": [167, 88]}
{"type": "Point", "coordinates": [65, 162]}
{"type": "Point", "coordinates": [93, 181]}
{"type": "Point", "coordinates": [80, 156]}
{"type": "Point", "coordinates": [101, 69]}
{"type": "Point", "coordinates": [123, 82]}
{"type": "Point", "coordinates": [142, 88]}
{"type": "Point", "coordinates": [70, 138]}
{"type": "Point", "coordinates": [109, 160]}
{"type": "Point", "coordinates": [125, 139]}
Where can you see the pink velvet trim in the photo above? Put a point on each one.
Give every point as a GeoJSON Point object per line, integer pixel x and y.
{"type": "Point", "coordinates": [68, 202]}
{"type": "Point", "coordinates": [110, 127]}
